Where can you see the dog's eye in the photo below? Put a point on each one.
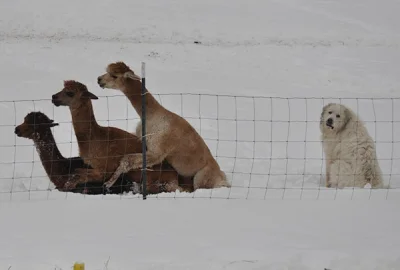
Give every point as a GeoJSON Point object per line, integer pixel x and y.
{"type": "Point", "coordinates": [338, 116]}
{"type": "Point", "coordinates": [330, 112]}
{"type": "Point", "coordinates": [70, 94]}
{"type": "Point", "coordinates": [114, 77]}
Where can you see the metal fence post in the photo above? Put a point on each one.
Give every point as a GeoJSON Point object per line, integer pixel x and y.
{"type": "Point", "coordinates": [144, 147]}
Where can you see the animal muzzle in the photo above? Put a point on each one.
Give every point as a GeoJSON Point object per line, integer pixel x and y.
{"type": "Point", "coordinates": [17, 131]}
{"type": "Point", "coordinates": [329, 123]}
{"type": "Point", "coordinates": [100, 83]}
{"type": "Point", "coordinates": [55, 100]}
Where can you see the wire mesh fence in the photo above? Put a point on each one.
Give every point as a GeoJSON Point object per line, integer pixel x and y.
{"type": "Point", "coordinates": [269, 147]}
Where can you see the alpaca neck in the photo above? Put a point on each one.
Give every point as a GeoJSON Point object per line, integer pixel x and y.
{"type": "Point", "coordinates": [84, 122]}
{"type": "Point", "coordinates": [48, 152]}
{"type": "Point", "coordinates": [46, 146]}
{"type": "Point", "coordinates": [133, 91]}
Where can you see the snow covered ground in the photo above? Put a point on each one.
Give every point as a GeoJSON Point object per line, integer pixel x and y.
{"type": "Point", "coordinates": [200, 234]}
{"type": "Point", "coordinates": [338, 51]}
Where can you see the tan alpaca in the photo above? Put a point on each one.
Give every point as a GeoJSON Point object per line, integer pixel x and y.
{"type": "Point", "coordinates": [104, 147]}
{"type": "Point", "coordinates": [169, 136]}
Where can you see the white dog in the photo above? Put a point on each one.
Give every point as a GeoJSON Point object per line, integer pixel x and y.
{"type": "Point", "coordinates": [349, 150]}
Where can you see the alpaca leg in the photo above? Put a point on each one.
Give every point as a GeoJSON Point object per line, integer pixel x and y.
{"type": "Point", "coordinates": [169, 182]}
{"type": "Point", "coordinates": [186, 183]}
{"type": "Point", "coordinates": [139, 130]}
{"type": "Point", "coordinates": [136, 188]}
{"type": "Point", "coordinates": [210, 177]}
{"type": "Point", "coordinates": [81, 176]}
{"type": "Point", "coordinates": [132, 162]}
{"type": "Point", "coordinates": [171, 187]}
{"type": "Point", "coordinates": [90, 173]}
{"type": "Point", "coordinates": [159, 187]}
{"type": "Point", "coordinates": [153, 185]}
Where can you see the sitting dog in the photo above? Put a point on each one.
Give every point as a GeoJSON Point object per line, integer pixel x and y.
{"type": "Point", "coordinates": [349, 150]}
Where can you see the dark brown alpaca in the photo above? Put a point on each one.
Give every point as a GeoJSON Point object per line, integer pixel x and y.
{"type": "Point", "coordinates": [36, 126]}
{"type": "Point", "coordinates": [170, 137]}
{"type": "Point", "coordinates": [103, 147]}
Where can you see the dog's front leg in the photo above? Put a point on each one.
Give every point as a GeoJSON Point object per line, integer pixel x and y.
{"type": "Point", "coordinates": [328, 173]}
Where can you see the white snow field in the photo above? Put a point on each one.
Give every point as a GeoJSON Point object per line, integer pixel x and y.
{"type": "Point", "coordinates": [253, 85]}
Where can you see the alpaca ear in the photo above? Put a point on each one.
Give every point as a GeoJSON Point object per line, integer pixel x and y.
{"type": "Point", "coordinates": [131, 75]}
{"type": "Point", "coordinates": [89, 95]}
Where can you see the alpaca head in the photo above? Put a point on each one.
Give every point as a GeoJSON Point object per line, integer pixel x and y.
{"type": "Point", "coordinates": [117, 75]}
{"type": "Point", "coordinates": [72, 95]}
{"type": "Point", "coordinates": [35, 123]}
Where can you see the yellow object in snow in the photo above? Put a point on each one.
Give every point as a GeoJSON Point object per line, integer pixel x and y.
{"type": "Point", "coordinates": [79, 266]}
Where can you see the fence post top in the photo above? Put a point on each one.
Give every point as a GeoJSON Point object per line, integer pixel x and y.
{"type": "Point", "coordinates": [143, 69]}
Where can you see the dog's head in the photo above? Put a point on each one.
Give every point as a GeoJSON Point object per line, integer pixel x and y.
{"type": "Point", "coordinates": [334, 118]}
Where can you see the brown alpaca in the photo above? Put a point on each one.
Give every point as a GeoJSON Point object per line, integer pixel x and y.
{"type": "Point", "coordinates": [37, 127]}
{"type": "Point", "coordinates": [104, 147]}
{"type": "Point", "coordinates": [169, 136]}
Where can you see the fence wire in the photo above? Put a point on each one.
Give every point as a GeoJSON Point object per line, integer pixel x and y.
{"type": "Point", "coordinates": [269, 147]}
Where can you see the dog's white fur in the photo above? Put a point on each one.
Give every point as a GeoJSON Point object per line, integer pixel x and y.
{"type": "Point", "coordinates": [349, 150]}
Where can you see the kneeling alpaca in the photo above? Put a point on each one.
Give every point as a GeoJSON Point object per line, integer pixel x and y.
{"type": "Point", "coordinates": [60, 170]}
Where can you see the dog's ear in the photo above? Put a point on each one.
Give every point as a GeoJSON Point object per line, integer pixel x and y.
{"type": "Point", "coordinates": [348, 116]}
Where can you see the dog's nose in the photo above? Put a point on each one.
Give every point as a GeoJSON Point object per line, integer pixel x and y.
{"type": "Point", "coordinates": [17, 131]}
{"type": "Point", "coordinates": [329, 122]}
{"type": "Point", "coordinates": [98, 80]}
{"type": "Point", "coordinates": [54, 97]}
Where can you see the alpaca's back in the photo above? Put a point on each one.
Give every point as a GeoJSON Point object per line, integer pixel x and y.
{"type": "Point", "coordinates": [106, 147]}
